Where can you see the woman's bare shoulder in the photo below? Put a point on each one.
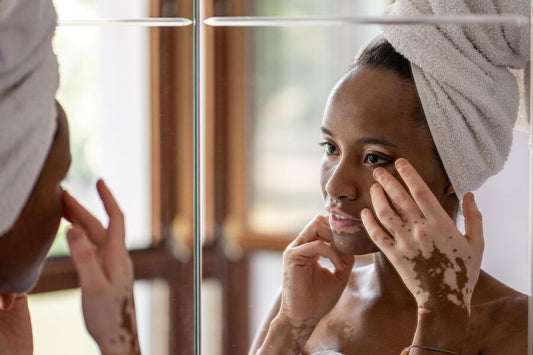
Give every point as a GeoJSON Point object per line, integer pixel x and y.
{"type": "Point", "coordinates": [491, 292]}
{"type": "Point", "coordinates": [499, 318]}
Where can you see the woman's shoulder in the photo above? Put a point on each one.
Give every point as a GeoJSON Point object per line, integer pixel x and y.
{"type": "Point", "coordinates": [492, 293]}
{"type": "Point", "coordinates": [499, 317]}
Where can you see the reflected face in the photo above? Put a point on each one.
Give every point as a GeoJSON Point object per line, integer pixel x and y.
{"type": "Point", "coordinates": [370, 121]}
{"type": "Point", "coordinates": [24, 248]}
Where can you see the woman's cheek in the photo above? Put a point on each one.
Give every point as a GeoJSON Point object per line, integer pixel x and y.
{"type": "Point", "coordinates": [326, 169]}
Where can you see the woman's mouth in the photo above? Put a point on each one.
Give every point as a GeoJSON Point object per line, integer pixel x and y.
{"type": "Point", "coordinates": [343, 223]}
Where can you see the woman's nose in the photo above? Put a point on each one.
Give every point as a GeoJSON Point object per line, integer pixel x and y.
{"type": "Point", "coordinates": [342, 182]}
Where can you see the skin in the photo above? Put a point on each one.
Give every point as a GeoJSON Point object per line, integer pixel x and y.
{"type": "Point", "coordinates": [106, 274]}
{"type": "Point", "coordinates": [380, 170]}
{"type": "Point", "coordinates": [24, 247]}
{"type": "Point", "coordinates": [99, 254]}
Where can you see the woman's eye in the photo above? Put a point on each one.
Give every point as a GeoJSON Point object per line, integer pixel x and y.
{"type": "Point", "coordinates": [330, 148]}
{"type": "Point", "coordinates": [374, 159]}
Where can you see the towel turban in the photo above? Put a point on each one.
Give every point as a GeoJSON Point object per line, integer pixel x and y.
{"type": "Point", "coordinates": [28, 81]}
{"type": "Point", "coordinates": [462, 75]}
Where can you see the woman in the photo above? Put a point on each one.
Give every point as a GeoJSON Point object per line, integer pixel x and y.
{"type": "Point", "coordinates": [387, 193]}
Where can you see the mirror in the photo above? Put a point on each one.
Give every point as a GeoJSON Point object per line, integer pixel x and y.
{"type": "Point", "coordinates": [127, 85]}
{"type": "Point", "coordinates": [266, 86]}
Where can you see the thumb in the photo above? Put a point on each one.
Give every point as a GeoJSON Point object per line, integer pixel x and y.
{"type": "Point", "coordinates": [473, 220]}
{"type": "Point", "coordinates": [85, 260]}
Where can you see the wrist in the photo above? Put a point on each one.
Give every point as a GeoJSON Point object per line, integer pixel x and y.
{"type": "Point", "coordinates": [286, 336]}
{"type": "Point", "coordinates": [444, 329]}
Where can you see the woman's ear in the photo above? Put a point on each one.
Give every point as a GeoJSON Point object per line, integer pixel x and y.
{"type": "Point", "coordinates": [450, 190]}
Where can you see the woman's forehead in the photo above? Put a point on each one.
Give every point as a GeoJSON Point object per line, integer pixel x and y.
{"type": "Point", "coordinates": [372, 100]}
{"type": "Point", "coordinates": [373, 106]}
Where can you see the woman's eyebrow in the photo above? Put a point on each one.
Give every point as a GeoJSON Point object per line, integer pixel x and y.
{"type": "Point", "coordinates": [326, 131]}
{"type": "Point", "coordinates": [378, 141]}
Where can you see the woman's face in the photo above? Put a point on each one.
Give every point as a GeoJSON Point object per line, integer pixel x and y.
{"type": "Point", "coordinates": [369, 122]}
{"type": "Point", "coordinates": [24, 248]}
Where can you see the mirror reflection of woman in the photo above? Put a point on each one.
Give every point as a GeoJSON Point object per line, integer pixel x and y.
{"type": "Point", "coordinates": [34, 159]}
{"type": "Point", "coordinates": [386, 192]}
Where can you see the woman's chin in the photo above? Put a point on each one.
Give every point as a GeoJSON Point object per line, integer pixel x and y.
{"type": "Point", "coordinates": [353, 243]}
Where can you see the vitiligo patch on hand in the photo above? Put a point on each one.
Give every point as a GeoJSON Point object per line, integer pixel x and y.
{"type": "Point", "coordinates": [437, 271]}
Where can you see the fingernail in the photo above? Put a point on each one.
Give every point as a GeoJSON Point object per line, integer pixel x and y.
{"type": "Point", "coordinates": [401, 164]}
{"type": "Point", "coordinates": [378, 174]}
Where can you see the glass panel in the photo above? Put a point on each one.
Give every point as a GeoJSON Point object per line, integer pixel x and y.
{"type": "Point", "coordinates": [282, 90]}
{"type": "Point", "coordinates": [126, 86]}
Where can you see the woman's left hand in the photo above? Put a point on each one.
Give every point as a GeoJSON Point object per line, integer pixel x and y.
{"type": "Point", "coordinates": [439, 265]}
{"type": "Point", "coordinates": [105, 273]}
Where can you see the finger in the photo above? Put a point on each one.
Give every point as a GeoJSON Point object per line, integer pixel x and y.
{"type": "Point", "coordinates": [85, 260]}
{"type": "Point", "coordinates": [421, 193]}
{"type": "Point", "coordinates": [116, 218]}
{"type": "Point", "coordinates": [381, 238]}
{"type": "Point", "coordinates": [75, 213]}
{"type": "Point", "coordinates": [300, 255]}
{"type": "Point", "coordinates": [384, 212]}
{"type": "Point", "coordinates": [473, 220]}
{"type": "Point", "coordinates": [317, 229]}
{"type": "Point", "coordinates": [348, 262]}
{"type": "Point", "coordinates": [402, 202]}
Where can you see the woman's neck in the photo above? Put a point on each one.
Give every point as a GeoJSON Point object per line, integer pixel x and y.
{"type": "Point", "coordinates": [389, 286]}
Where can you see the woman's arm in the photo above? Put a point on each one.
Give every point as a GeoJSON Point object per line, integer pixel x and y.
{"type": "Point", "coordinates": [309, 290]}
{"type": "Point", "coordinates": [105, 273]}
{"type": "Point", "coordinates": [439, 265]}
{"type": "Point", "coordinates": [261, 334]}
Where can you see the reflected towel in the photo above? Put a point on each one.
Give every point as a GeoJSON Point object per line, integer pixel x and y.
{"type": "Point", "coordinates": [469, 95]}
{"type": "Point", "coordinates": [28, 82]}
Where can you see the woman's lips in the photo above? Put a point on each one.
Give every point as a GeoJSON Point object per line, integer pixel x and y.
{"type": "Point", "coordinates": [343, 223]}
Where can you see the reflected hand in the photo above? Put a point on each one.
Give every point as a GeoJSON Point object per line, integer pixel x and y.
{"type": "Point", "coordinates": [439, 265]}
{"type": "Point", "coordinates": [105, 273]}
{"type": "Point", "coordinates": [310, 290]}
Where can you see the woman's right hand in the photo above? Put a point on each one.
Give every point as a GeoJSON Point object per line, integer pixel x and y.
{"type": "Point", "coordinates": [310, 290]}
{"type": "Point", "coordinates": [105, 273]}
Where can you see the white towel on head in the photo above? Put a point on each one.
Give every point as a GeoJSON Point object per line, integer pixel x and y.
{"type": "Point", "coordinates": [28, 81]}
{"type": "Point", "coordinates": [470, 97]}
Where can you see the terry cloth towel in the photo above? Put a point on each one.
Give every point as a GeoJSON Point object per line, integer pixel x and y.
{"type": "Point", "coordinates": [469, 95]}
{"type": "Point", "coordinates": [28, 82]}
